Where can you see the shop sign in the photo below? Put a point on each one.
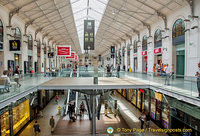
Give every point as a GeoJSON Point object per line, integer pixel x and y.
{"type": "Point", "coordinates": [72, 55]}
{"type": "Point", "coordinates": [141, 90]}
{"type": "Point", "coordinates": [158, 96]}
{"type": "Point", "coordinates": [112, 51]}
{"type": "Point", "coordinates": [64, 50]}
{"type": "Point", "coordinates": [89, 34]}
{"type": "Point", "coordinates": [158, 50]}
{"type": "Point", "coordinates": [144, 53]}
{"type": "Point", "coordinates": [50, 55]}
{"type": "Point", "coordinates": [190, 110]}
{"type": "Point", "coordinates": [14, 45]}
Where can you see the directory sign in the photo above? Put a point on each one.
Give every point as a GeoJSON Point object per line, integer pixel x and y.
{"type": "Point", "coordinates": [64, 50]}
{"type": "Point", "coordinates": [72, 55]}
{"type": "Point", "coordinates": [89, 34]}
{"type": "Point", "coordinates": [112, 51]}
{"type": "Point", "coordinates": [14, 45]}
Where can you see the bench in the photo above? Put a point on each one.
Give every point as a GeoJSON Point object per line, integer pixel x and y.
{"type": "Point", "coordinates": [4, 84]}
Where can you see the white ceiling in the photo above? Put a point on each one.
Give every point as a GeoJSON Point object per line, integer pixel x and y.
{"type": "Point", "coordinates": [62, 20]}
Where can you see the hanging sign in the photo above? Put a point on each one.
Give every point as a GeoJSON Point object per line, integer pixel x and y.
{"type": "Point", "coordinates": [76, 57]}
{"type": "Point", "coordinates": [72, 55]}
{"type": "Point", "coordinates": [50, 55]}
{"type": "Point", "coordinates": [89, 34]}
{"type": "Point", "coordinates": [144, 53]}
{"type": "Point", "coordinates": [14, 45]}
{"type": "Point", "coordinates": [158, 50]}
{"type": "Point", "coordinates": [112, 51]}
{"type": "Point", "coordinates": [64, 50]}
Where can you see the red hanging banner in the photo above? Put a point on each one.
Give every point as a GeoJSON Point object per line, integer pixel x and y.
{"type": "Point", "coordinates": [72, 55]}
{"type": "Point", "coordinates": [64, 50]}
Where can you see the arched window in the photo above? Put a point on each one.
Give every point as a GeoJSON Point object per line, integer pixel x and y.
{"type": "Point", "coordinates": [38, 48]}
{"type": "Point", "coordinates": [178, 28]}
{"type": "Point", "coordinates": [17, 33]}
{"type": "Point", "coordinates": [144, 43]}
{"type": "Point", "coordinates": [135, 47]}
{"type": "Point", "coordinates": [157, 39]}
{"type": "Point", "coordinates": [1, 35]}
{"type": "Point", "coordinates": [30, 42]}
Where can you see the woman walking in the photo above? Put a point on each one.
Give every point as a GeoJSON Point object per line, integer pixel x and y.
{"type": "Point", "coordinates": [142, 118]}
{"type": "Point", "coordinates": [17, 76]}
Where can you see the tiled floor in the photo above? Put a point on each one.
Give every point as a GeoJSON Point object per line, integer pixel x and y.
{"type": "Point", "coordinates": [49, 110]}
{"type": "Point", "coordinates": [84, 126]}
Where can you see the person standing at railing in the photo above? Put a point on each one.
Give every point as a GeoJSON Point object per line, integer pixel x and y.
{"type": "Point", "coordinates": [172, 71]}
{"type": "Point", "coordinates": [198, 78]}
{"type": "Point", "coordinates": [167, 71]}
{"type": "Point", "coordinates": [118, 70]}
{"type": "Point", "coordinates": [17, 76]}
{"type": "Point", "coordinates": [31, 70]}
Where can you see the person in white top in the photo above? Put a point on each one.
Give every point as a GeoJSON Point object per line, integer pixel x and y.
{"type": "Point", "coordinates": [168, 72]}
{"type": "Point", "coordinates": [5, 75]}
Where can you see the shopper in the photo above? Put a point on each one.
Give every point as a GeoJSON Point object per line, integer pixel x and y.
{"type": "Point", "coordinates": [57, 98]}
{"type": "Point", "coordinates": [172, 71]}
{"type": "Point", "coordinates": [142, 118]}
{"type": "Point", "coordinates": [198, 78]}
{"type": "Point", "coordinates": [82, 109]}
{"type": "Point", "coordinates": [124, 68]}
{"type": "Point", "coordinates": [17, 76]}
{"type": "Point", "coordinates": [108, 70]}
{"type": "Point", "coordinates": [36, 128]}
{"type": "Point", "coordinates": [10, 71]}
{"type": "Point", "coordinates": [70, 108]}
{"type": "Point", "coordinates": [148, 118]}
{"type": "Point", "coordinates": [31, 70]}
{"type": "Point", "coordinates": [118, 71]}
{"type": "Point", "coordinates": [52, 123]}
{"type": "Point", "coordinates": [167, 71]}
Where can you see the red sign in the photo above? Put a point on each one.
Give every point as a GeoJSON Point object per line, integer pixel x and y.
{"type": "Point", "coordinates": [64, 50]}
{"type": "Point", "coordinates": [141, 90]}
{"type": "Point", "coordinates": [76, 57]}
{"type": "Point", "coordinates": [158, 50]}
{"type": "Point", "coordinates": [72, 56]}
{"type": "Point", "coordinates": [144, 53]}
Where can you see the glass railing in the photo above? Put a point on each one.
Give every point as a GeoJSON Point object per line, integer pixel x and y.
{"type": "Point", "coordinates": [26, 82]}
{"type": "Point", "coordinates": [185, 85]}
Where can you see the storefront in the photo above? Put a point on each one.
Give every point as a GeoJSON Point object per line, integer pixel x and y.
{"type": "Point", "coordinates": [140, 99]}
{"type": "Point", "coordinates": [144, 61]}
{"type": "Point", "coordinates": [147, 101]}
{"type": "Point", "coordinates": [157, 56]}
{"type": "Point", "coordinates": [135, 63]}
{"type": "Point", "coordinates": [185, 115]}
{"type": "Point", "coordinates": [21, 115]}
{"type": "Point", "coordinates": [5, 126]}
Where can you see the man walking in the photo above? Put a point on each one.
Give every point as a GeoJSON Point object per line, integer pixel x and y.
{"type": "Point", "coordinates": [36, 128]}
{"type": "Point", "coordinates": [52, 123]}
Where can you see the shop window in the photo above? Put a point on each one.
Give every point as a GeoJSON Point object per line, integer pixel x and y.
{"type": "Point", "coordinates": [144, 43]}
{"type": "Point", "coordinates": [178, 34]}
{"type": "Point", "coordinates": [178, 28]}
{"type": "Point", "coordinates": [17, 33]}
{"type": "Point", "coordinates": [135, 47]}
{"type": "Point", "coordinates": [5, 129]}
{"type": "Point", "coordinates": [21, 115]}
{"type": "Point", "coordinates": [1, 34]}
{"type": "Point", "coordinates": [30, 42]}
{"type": "Point", "coordinates": [157, 39]}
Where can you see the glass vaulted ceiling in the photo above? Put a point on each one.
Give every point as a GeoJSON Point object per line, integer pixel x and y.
{"type": "Point", "coordinates": [87, 9]}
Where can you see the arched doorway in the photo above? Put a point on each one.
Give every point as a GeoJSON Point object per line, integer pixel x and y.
{"type": "Point", "coordinates": [18, 56]}
{"type": "Point", "coordinates": [135, 61]}
{"type": "Point", "coordinates": [178, 49]}
{"type": "Point", "coordinates": [30, 52]}
{"type": "Point", "coordinates": [144, 54]}
{"type": "Point", "coordinates": [157, 49]}
{"type": "Point", "coordinates": [37, 64]}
